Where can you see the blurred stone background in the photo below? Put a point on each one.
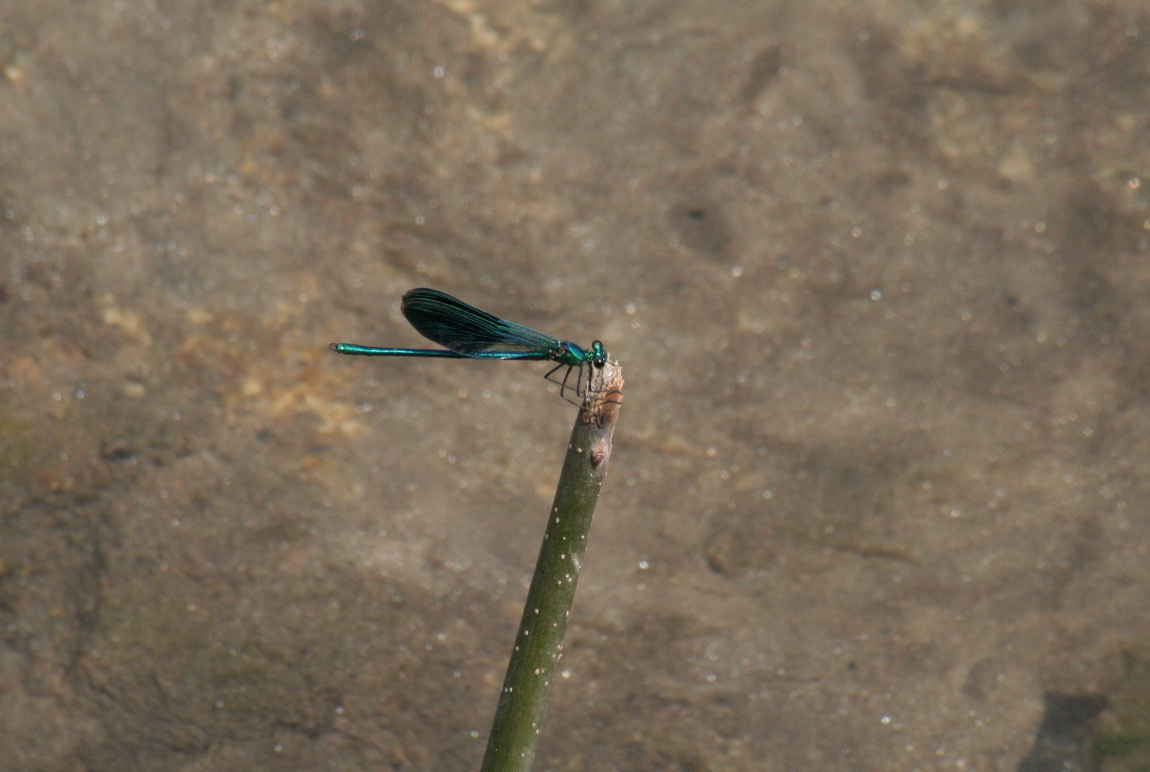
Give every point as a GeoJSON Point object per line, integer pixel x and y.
{"type": "Point", "coordinates": [877, 273]}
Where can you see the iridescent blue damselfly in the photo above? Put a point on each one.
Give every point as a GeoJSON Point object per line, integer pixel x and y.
{"type": "Point", "coordinates": [466, 332]}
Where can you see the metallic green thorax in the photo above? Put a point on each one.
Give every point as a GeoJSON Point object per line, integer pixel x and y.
{"type": "Point", "coordinates": [572, 355]}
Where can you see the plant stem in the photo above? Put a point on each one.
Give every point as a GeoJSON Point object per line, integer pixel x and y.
{"type": "Point", "coordinates": [539, 643]}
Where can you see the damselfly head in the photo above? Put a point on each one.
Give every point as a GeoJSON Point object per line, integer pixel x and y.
{"type": "Point", "coordinates": [598, 353]}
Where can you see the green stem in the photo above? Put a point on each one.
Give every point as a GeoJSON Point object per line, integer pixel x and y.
{"type": "Point", "coordinates": [527, 687]}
